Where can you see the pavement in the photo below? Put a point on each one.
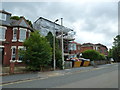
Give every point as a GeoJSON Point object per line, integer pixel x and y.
{"type": "Point", "coordinates": [30, 76]}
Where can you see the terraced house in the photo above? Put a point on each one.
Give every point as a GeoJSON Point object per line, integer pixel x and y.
{"type": "Point", "coordinates": [12, 34]}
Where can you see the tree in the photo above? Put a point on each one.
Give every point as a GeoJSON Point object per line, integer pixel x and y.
{"type": "Point", "coordinates": [49, 37]}
{"type": "Point", "coordinates": [110, 53]}
{"type": "Point", "coordinates": [116, 49]}
{"type": "Point", "coordinates": [58, 55]}
{"type": "Point", "coordinates": [117, 41]}
{"type": "Point", "coordinates": [91, 54]}
{"type": "Point", "coordinates": [38, 52]}
{"type": "Point", "coordinates": [116, 54]}
{"type": "Point", "coordinates": [15, 17]}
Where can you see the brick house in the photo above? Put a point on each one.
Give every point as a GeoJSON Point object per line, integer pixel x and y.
{"type": "Point", "coordinates": [12, 35]}
{"type": "Point", "coordinates": [98, 47]}
{"type": "Point", "coordinates": [74, 49]}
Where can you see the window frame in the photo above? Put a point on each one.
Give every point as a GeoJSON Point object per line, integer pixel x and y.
{"type": "Point", "coordinates": [22, 35]}
{"type": "Point", "coordinates": [12, 52]}
{"type": "Point", "coordinates": [15, 39]}
{"type": "Point", "coordinates": [1, 16]}
{"type": "Point", "coordinates": [19, 47]}
{"type": "Point", "coordinates": [3, 28]}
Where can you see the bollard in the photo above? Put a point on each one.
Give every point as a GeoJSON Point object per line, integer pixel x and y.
{"type": "Point", "coordinates": [12, 66]}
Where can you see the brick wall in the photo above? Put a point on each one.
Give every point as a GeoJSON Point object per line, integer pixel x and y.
{"type": "Point", "coordinates": [8, 44]}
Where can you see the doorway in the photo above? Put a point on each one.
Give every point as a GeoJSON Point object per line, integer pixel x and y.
{"type": "Point", "coordinates": [1, 55]}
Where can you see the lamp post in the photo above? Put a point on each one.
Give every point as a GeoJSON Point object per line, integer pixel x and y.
{"type": "Point", "coordinates": [54, 45]}
{"type": "Point", "coordinates": [62, 44]}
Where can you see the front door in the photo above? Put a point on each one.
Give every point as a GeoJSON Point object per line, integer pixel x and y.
{"type": "Point", "coordinates": [1, 55]}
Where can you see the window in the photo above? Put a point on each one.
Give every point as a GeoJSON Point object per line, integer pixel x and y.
{"type": "Point", "coordinates": [2, 33]}
{"type": "Point", "coordinates": [29, 33]}
{"type": "Point", "coordinates": [74, 46]}
{"type": "Point", "coordinates": [15, 34]}
{"type": "Point", "coordinates": [22, 34]}
{"type": "Point", "coordinates": [13, 57]}
{"type": "Point", "coordinates": [105, 50]}
{"type": "Point", "coordinates": [20, 56]}
{"type": "Point", "coordinates": [2, 16]}
{"type": "Point", "coordinates": [78, 47]}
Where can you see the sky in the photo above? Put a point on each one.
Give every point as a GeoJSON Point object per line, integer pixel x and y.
{"type": "Point", "coordinates": [93, 22]}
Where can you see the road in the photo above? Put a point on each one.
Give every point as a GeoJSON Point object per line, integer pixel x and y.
{"type": "Point", "coordinates": [102, 77]}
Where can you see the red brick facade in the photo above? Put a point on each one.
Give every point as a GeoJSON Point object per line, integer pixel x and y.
{"type": "Point", "coordinates": [98, 47]}
{"type": "Point", "coordinates": [76, 49]}
{"type": "Point", "coordinates": [8, 43]}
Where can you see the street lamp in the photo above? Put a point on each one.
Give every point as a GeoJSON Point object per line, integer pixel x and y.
{"type": "Point", "coordinates": [62, 44]}
{"type": "Point", "coordinates": [54, 45]}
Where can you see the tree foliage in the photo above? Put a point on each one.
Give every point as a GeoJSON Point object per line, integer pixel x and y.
{"type": "Point", "coordinates": [15, 17]}
{"type": "Point", "coordinates": [91, 54]}
{"type": "Point", "coordinates": [58, 52]}
{"type": "Point", "coordinates": [49, 37]}
{"type": "Point", "coordinates": [102, 57]}
{"type": "Point", "coordinates": [38, 52]}
{"type": "Point", "coordinates": [115, 51]}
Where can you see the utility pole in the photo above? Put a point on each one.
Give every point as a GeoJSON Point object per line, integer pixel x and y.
{"type": "Point", "coordinates": [54, 45]}
{"type": "Point", "coordinates": [62, 44]}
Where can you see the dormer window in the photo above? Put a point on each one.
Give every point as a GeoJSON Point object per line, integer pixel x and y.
{"type": "Point", "coordinates": [2, 16]}
{"type": "Point", "coordinates": [2, 33]}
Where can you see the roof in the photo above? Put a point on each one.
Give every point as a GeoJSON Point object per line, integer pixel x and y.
{"type": "Point", "coordinates": [101, 45]}
{"type": "Point", "coordinates": [87, 44]}
{"type": "Point", "coordinates": [5, 12]}
{"type": "Point", "coordinates": [91, 44]}
{"type": "Point", "coordinates": [52, 23]}
{"type": "Point", "coordinates": [4, 23]}
{"type": "Point", "coordinates": [15, 23]}
{"type": "Point", "coordinates": [75, 43]}
{"type": "Point", "coordinates": [19, 23]}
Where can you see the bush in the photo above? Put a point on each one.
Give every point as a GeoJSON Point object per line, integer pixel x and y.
{"type": "Point", "coordinates": [91, 54]}
{"type": "Point", "coordinates": [101, 57]}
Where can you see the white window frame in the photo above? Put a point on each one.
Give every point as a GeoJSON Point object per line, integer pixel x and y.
{"type": "Point", "coordinates": [3, 28]}
{"type": "Point", "coordinates": [18, 55]}
{"type": "Point", "coordinates": [20, 34]}
{"type": "Point", "coordinates": [12, 51]}
{"type": "Point", "coordinates": [14, 39]}
{"type": "Point", "coordinates": [29, 33]}
{"type": "Point", "coordinates": [1, 16]}
{"type": "Point", "coordinates": [2, 46]}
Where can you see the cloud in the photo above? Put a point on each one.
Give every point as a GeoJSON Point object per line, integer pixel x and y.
{"type": "Point", "coordinates": [93, 22]}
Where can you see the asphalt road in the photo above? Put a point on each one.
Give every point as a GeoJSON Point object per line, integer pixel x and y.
{"type": "Point", "coordinates": [102, 77]}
